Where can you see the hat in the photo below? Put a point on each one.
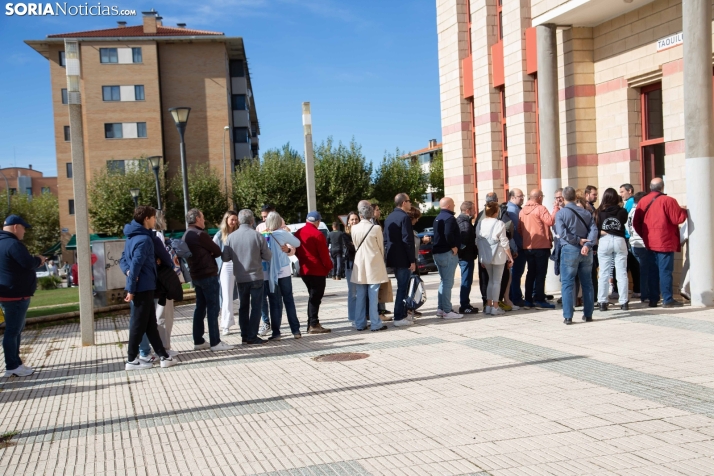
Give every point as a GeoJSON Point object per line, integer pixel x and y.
{"type": "Point", "coordinates": [16, 220]}
{"type": "Point", "coordinates": [312, 217]}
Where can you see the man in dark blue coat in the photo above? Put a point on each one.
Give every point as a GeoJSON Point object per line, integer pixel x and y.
{"type": "Point", "coordinates": [18, 283]}
{"type": "Point", "coordinates": [399, 245]}
{"type": "Point", "coordinates": [140, 286]}
{"type": "Point", "coordinates": [447, 242]}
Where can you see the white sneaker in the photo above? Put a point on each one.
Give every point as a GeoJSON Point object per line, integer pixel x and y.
{"type": "Point", "coordinates": [222, 346]}
{"type": "Point", "coordinates": [172, 353]}
{"type": "Point", "coordinates": [138, 365]}
{"type": "Point", "coordinates": [440, 313]}
{"type": "Point", "coordinates": [168, 362]}
{"type": "Point", "coordinates": [497, 311]}
{"type": "Point", "coordinates": [515, 308]}
{"type": "Point", "coordinates": [226, 331]}
{"type": "Point", "coordinates": [403, 322]}
{"type": "Point", "coordinates": [410, 317]}
{"type": "Point", "coordinates": [151, 358]}
{"type": "Point", "coordinates": [21, 371]}
{"type": "Point", "coordinates": [487, 310]}
{"type": "Point", "coordinates": [452, 315]}
{"type": "Point", "coordinates": [203, 346]}
{"type": "Point", "coordinates": [264, 329]}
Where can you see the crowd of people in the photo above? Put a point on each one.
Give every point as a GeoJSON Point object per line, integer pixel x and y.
{"type": "Point", "coordinates": [592, 249]}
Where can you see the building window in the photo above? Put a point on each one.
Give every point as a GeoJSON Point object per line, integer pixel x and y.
{"type": "Point", "coordinates": [113, 131]}
{"type": "Point", "coordinates": [499, 10]}
{"type": "Point", "coordinates": [108, 55]}
{"type": "Point", "coordinates": [13, 191]}
{"type": "Point", "coordinates": [66, 134]}
{"type": "Point", "coordinates": [28, 191]}
{"type": "Point", "coordinates": [69, 169]}
{"type": "Point", "coordinates": [139, 93]}
{"type": "Point", "coordinates": [652, 144]}
{"type": "Point", "coordinates": [116, 167]}
{"type": "Point", "coordinates": [62, 61]}
{"type": "Point", "coordinates": [141, 129]}
{"type": "Point", "coordinates": [237, 69]}
{"type": "Point", "coordinates": [240, 135]}
{"type": "Point", "coordinates": [136, 55]}
{"type": "Point", "coordinates": [71, 207]}
{"type": "Point", "coordinates": [46, 190]}
{"type": "Point", "coordinates": [65, 99]}
{"type": "Point", "coordinates": [111, 93]}
{"type": "Point", "coordinates": [504, 139]}
{"type": "Point", "coordinates": [240, 102]}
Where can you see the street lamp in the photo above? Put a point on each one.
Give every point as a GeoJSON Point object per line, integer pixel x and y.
{"type": "Point", "coordinates": [180, 115]}
{"type": "Point", "coordinates": [7, 188]}
{"type": "Point", "coordinates": [135, 195]}
{"type": "Point", "coordinates": [155, 161]}
{"type": "Point", "coordinates": [225, 167]}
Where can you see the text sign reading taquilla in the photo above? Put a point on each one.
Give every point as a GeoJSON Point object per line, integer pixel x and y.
{"type": "Point", "coordinates": [670, 41]}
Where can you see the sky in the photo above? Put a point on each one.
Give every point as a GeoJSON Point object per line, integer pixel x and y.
{"type": "Point", "coordinates": [369, 69]}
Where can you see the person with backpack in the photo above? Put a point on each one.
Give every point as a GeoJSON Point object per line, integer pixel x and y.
{"type": "Point", "coordinates": [494, 254]}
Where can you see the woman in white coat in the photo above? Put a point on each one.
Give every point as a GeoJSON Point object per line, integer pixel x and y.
{"type": "Point", "coordinates": [229, 292]}
{"type": "Point", "coordinates": [368, 269]}
{"type": "Point", "coordinates": [493, 254]}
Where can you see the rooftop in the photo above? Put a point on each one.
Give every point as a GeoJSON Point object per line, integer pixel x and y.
{"type": "Point", "coordinates": [135, 31]}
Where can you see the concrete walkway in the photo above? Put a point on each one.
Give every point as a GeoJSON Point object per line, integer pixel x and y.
{"type": "Point", "coordinates": [630, 393]}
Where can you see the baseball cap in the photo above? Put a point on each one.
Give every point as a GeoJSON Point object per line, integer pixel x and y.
{"type": "Point", "coordinates": [16, 220]}
{"type": "Point", "coordinates": [312, 217]}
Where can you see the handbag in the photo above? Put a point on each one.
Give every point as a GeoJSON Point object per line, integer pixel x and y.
{"type": "Point", "coordinates": [486, 248]}
{"type": "Point", "coordinates": [385, 292]}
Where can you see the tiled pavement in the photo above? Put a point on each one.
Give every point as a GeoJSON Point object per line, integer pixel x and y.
{"type": "Point", "coordinates": [630, 393]}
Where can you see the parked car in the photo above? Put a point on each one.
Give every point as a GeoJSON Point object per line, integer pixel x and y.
{"type": "Point", "coordinates": [42, 271]}
{"type": "Point", "coordinates": [295, 227]}
{"type": "Point", "coordinates": [425, 260]}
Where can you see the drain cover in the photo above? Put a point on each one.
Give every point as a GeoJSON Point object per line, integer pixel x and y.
{"type": "Point", "coordinates": [341, 357]}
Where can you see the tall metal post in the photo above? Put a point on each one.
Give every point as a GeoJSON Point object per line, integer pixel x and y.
{"type": "Point", "coordinates": [158, 188]}
{"type": "Point", "coordinates": [699, 146]}
{"type": "Point", "coordinates": [79, 181]}
{"type": "Point", "coordinates": [309, 159]}
{"type": "Point", "coordinates": [184, 173]}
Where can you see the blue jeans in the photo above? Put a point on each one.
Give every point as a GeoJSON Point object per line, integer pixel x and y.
{"type": "Point", "coordinates": [572, 265]}
{"type": "Point", "coordinates": [642, 256]}
{"type": "Point", "coordinates": [467, 279]}
{"type": "Point", "coordinates": [400, 310]}
{"type": "Point", "coordinates": [251, 297]}
{"type": "Point", "coordinates": [661, 266]}
{"type": "Point", "coordinates": [365, 291]}
{"type": "Point", "coordinates": [265, 309]}
{"type": "Point", "coordinates": [144, 346]}
{"type": "Point", "coordinates": [519, 266]}
{"type": "Point", "coordinates": [446, 265]}
{"type": "Point", "coordinates": [15, 312]}
{"type": "Point", "coordinates": [208, 298]}
{"type": "Point", "coordinates": [351, 295]}
{"type": "Point", "coordinates": [283, 295]}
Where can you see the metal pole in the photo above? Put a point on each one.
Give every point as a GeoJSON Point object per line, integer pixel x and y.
{"type": "Point", "coordinates": [7, 188]}
{"type": "Point", "coordinates": [136, 201]}
{"type": "Point", "coordinates": [309, 160]}
{"type": "Point", "coordinates": [184, 173]}
{"type": "Point", "coordinates": [699, 146]}
{"type": "Point", "coordinates": [158, 188]}
{"type": "Point", "coordinates": [225, 166]}
{"type": "Point", "coordinates": [79, 181]}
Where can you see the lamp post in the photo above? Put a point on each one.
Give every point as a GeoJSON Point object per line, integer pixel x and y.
{"type": "Point", "coordinates": [135, 195]}
{"type": "Point", "coordinates": [155, 161]}
{"type": "Point", "coordinates": [180, 115]}
{"type": "Point", "coordinates": [225, 166]}
{"type": "Point", "coordinates": [7, 188]}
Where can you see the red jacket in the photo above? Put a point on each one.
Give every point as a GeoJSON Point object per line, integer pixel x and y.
{"type": "Point", "coordinates": [313, 254]}
{"type": "Point", "coordinates": [659, 227]}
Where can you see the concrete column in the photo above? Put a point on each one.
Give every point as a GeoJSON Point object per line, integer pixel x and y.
{"type": "Point", "coordinates": [699, 146]}
{"type": "Point", "coordinates": [309, 157]}
{"type": "Point", "coordinates": [548, 124]}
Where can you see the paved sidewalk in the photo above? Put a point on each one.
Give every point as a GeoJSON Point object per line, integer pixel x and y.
{"type": "Point", "coordinates": [630, 393]}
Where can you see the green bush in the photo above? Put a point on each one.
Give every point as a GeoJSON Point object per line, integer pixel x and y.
{"type": "Point", "coordinates": [49, 282]}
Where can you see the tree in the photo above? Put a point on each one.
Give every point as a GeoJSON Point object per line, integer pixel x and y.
{"type": "Point", "coordinates": [110, 203]}
{"type": "Point", "coordinates": [277, 179]}
{"type": "Point", "coordinates": [42, 212]}
{"type": "Point", "coordinates": [205, 191]}
{"type": "Point", "coordinates": [436, 176]}
{"type": "Point", "coordinates": [342, 178]}
{"type": "Point", "coordinates": [397, 174]}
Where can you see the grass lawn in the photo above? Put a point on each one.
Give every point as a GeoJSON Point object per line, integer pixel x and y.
{"type": "Point", "coordinates": [51, 297]}
{"type": "Point", "coordinates": [50, 311]}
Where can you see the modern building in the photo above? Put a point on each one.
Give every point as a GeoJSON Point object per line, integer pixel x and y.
{"type": "Point", "coordinates": [130, 77]}
{"type": "Point", "coordinates": [425, 157]}
{"type": "Point", "coordinates": [27, 181]}
{"type": "Point", "coordinates": [548, 93]}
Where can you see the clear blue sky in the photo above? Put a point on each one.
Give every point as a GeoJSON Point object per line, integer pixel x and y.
{"type": "Point", "coordinates": [369, 69]}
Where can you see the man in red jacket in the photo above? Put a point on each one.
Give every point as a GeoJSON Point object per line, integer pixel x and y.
{"type": "Point", "coordinates": [315, 265]}
{"type": "Point", "coordinates": [657, 219]}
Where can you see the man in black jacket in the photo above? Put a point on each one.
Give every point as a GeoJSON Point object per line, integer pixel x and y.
{"type": "Point", "coordinates": [467, 256]}
{"type": "Point", "coordinates": [399, 246]}
{"type": "Point", "coordinates": [18, 283]}
{"type": "Point", "coordinates": [447, 242]}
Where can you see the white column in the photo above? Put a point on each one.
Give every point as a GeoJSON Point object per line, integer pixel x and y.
{"type": "Point", "coordinates": [699, 146]}
{"type": "Point", "coordinates": [309, 160]}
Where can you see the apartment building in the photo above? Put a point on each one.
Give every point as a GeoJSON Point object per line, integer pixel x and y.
{"type": "Point", "coordinates": [26, 180]}
{"type": "Point", "coordinates": [425, 157]}
{"type": "Point", "coordinates": [130, 77]}
{"type": "Point", "coordinates": [548, 93]}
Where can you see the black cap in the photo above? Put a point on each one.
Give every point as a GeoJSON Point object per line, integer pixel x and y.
{"type": "Point", "coordinates": [16, 220]}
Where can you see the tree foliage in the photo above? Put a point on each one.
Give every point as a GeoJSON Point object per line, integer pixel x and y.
{"type": "Point", "coordinates": [277, 179]}
{"type": "Point", "coordinates": [396, 174]}
{"type": "Point", "coordinates": [436, 176]}
{"type": "Point", "coordinates": [40, 211]}
{"type": "Point", "coordinates": [205, 191]}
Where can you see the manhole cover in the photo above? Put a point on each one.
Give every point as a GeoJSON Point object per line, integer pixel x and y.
{"type": "Point", "coordinates": [341, 357]}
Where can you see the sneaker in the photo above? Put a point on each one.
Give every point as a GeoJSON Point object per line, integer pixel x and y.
{"type": "Point", "coordinates": [411, 318]}
{"type": "Point", "coordinates": [504, 306]}
{"type": "Point", "coordinates": [264, 329]}
{"type": "Point", "coordinates": [560, 300]}
{"type": "Point", "coordinates": [172, 353]}
{"type": "Point", "coordinates": [452, 315]}
{"type": "Point", "coordinates": [151, 358]}
{"type": "Point", "coordinates": [275, 337]}
{"type": "Point", "coordinates": [685, 295]}
{"type": "Point", "coordinates": [225, 331]}
{"type": "Point", "coordinates": [20, 371]}
{"type": "Point", "coordinates": [520, 303]}
{"type": "Point", "coordinates": [567, 321]}
{"type": "Point", "coordinates": [487, 310]}
{"type": "Point", "coordinates": [403, 322]}
{"type": "Point", "coordinates": [549, 297]}
{"type": "Point", "coordinates": [203, 346]}
{"type": "Point", "coordinates": [256, 341]}
{"type": "Point", "coordinates": [318, 329]}
{"type": "Point", "coordinates": [588, 319]}
{"type": "Point", "coordinates": [497, 311]}
{"type": "Point", "coordinates": [468, 310]}
{"type": "Point", "coordinates": [385, 318]}
{"type": "Point", "coordinates": [543, 305]}
{"type": "Point", "coordinates": [440, 313]}
{"type": "Point", "coordinates": [672, 303]}
{"type": "Point", "coordinates": [168, 362]}
{"type": "Point", "coordinates": [515, 308]}
{"type": "Point", "coordinates": [297, 335]}
{"type": "Point", "coordinates": [527, 305]}
{"type": "Point", "coordinates": [222, 346]}
{"type": "Point", "coordinates": [383, 328]}
{"type": "Point", "coordinates": [136, 364]}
